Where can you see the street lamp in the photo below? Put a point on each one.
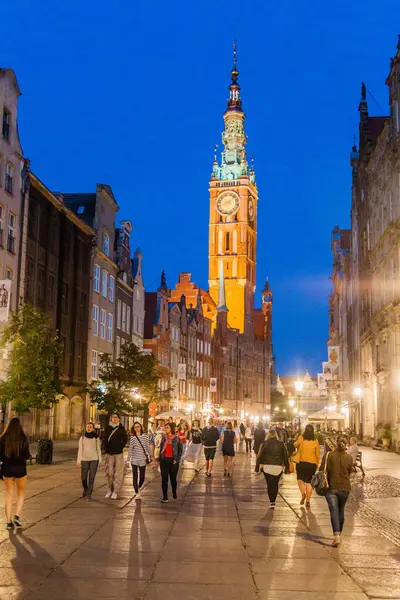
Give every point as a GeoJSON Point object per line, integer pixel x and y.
{"type": "Point", "coordinates": [190, 409]}
{"type": "Point", "coordinates": [298, 386]}
{"type": "Point", "coordinates": [292, 403]}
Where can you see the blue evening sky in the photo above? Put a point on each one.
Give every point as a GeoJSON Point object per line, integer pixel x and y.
{"type": "Point", "coordinates": [131, 93]}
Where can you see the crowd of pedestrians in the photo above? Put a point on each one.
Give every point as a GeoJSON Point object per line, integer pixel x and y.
{"type": "Point", "coordinates": [167, 445]}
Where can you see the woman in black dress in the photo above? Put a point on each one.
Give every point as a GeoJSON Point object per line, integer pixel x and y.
{"type": "Point", "coordinates": [228, 442]}
{"type": "Point", "coordinates": [14, 452]}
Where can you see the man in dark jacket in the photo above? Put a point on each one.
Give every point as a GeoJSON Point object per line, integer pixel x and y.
{"type": "Point", "coordinates": [114, 442]}
{"type": "Point", "coordinates": [209, 438]}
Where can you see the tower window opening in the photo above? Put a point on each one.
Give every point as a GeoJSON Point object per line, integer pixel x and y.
{"type": "Point", "coordinates": [227, 242]}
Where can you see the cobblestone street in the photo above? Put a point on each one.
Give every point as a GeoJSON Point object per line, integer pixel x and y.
{"type": "Point", "coordinates": [218, 540]}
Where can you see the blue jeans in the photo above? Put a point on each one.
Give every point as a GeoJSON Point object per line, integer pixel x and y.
{"type": "Point", "coordinates": [336, 501]}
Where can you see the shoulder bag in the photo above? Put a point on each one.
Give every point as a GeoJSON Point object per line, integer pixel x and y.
{"type": "Point", "coordinates": [319, 481]}
{"type": "Point", "coordinates": [296, 456]}
{"type": "Point", "coordinates": [148, 459]}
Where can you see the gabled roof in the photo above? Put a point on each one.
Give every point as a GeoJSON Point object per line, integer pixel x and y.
{"type": "Point", "coordinates": [8, 71]}
{"type": "Point", "coordinates": [83, 205]}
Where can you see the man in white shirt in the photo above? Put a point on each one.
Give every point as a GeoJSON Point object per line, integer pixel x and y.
{"type": "Point", "coordinates": [353, 449]}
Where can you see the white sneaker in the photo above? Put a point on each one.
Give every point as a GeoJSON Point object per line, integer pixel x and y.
{"type": "Point", "coordinates": [109, 494]}
{"type": "Point", "coordinates": [336, 540]}
{"type": "Point", "coordinates": [114, 496]}
{"type": "Point", "coordinates": [138, 496]}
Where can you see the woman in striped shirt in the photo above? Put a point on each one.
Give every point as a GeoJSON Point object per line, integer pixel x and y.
{"type": "Point", "coordinates": [138, 455]}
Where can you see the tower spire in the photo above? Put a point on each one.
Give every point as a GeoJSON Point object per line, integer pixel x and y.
{"type": "Point", "coordinates": [222, 307]}
{"type": "Point", "coordinates": [234, 102]}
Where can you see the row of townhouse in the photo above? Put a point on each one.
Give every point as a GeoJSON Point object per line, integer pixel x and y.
{"type": "Point", "coordinates": [365, 299]}
{"type": "Point", "coordinates": [64, 254]}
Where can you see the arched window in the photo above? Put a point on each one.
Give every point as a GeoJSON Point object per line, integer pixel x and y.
{"type": "Point", "coordinates": [220, 241]}
{"type": "Point", "coordinates": [234, 267]}
{"type": "Point", "coordinates": [227, 242]}
{"type": "Point", "coordinates": [234, 241]}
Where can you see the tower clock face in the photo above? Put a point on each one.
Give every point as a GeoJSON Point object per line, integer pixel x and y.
{"type": "Point", "coordinates": [251, 210]}
{"type": "Point", "coordinates": [227, 203]}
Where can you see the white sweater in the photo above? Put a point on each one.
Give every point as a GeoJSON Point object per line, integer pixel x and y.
{"type": "Point", "coordinates": [89, 449]}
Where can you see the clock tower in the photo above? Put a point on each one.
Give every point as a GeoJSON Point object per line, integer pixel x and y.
{"type": "Point", "coordinates": [233, 217]}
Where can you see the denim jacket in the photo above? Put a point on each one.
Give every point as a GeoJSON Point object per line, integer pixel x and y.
{"type": "Point", "coordinates": [177, 448]}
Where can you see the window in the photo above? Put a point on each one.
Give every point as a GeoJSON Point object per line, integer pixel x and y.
{"type": "Point", "coordinates": [6, 124]}
{"type": "Point", "coordinates": [111, 287]}
{"type": "Point", "coordinates": [50, 291]}
{"type": "Point", "coordinates": [64, 298]}
{"type": "Point", "coordinates": [137, 294]}
{"type": "Point", "coordinates": [96, 281]}
{"type": "Point", "coordinates": [124, 277]}
{"type": "Point", "coordinates": [82, 307]}
{"type": "Point", "coordinates": [81, 210]}
{"type": "Point", "coordinates": [234, 241]}
{"type": "Point", "coordinates": [11, 233]}
{"type": "Point", "coordinates": [94, 370]}
{"type": "Point", "coordinates": [9, 178]}
{"type": "Point", "coordinates": [40, 286]}
{"type": "Point", "coordinates": [103, 324]}
{"type": "Point", "coordinates": [128, 319]}
{"type": "Point", "coordinates": [106, 244]}
{"type": "Point", "coordinates": [110, 327]}
{"type": "Point", "coordinates": [227, 245]}
{"type": "Point", "coordinates": [95, 319]}
{"type": "Point", "coordinates": [220, 241]}
{"type": "Point", "coordinates": [104, 284]}
{"type": "Point", "coordinates": [123, 324]}
{"type": "Point", "coordinates": [29, 280]}
{"type": "Point", "coordinates": [1, 225]}
{"type": "Point", "coordinates": [119, 305]}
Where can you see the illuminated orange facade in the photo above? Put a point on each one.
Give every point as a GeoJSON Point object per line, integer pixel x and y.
{"type": "Point", "coordinates": [233, 217]}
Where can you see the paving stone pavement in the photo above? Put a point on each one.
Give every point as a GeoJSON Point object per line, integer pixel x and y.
{"type": "Point", "coordinates": [218, 540]}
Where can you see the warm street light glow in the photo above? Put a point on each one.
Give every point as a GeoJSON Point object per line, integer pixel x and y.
{"type": "Point", "coordinates": [221, 411]}
{"type": "Point", "coordinates": [298, 385]}
{"type": "Point", "coordinates": [357, 391]}
{"type": "Point", "coordinates": [190, 407]}
{"type": "Point", "coordinates": [276, 408]}
{"type": "Point", "coordinates": [292, 402]}
{"type": "Point", "coordinates": [331, 408]}
{"type": "Point", "coordinates": [284, 410]}
{"type": "Point", "coordinates": [296, 410]}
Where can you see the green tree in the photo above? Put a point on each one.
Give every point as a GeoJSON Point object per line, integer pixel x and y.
{"type": "Point", "coordinates": [133, 370]}
{"type": "Point", "coordinates": [33, 357]}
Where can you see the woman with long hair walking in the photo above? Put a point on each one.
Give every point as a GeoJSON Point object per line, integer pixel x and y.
{"type": "Point", "coordinates": [139, 456]}
{"type": "Point", "coordinates": [272, 459]}
{"type": "Point", "coordinates": [89, 459]}
{"type": "Point", "coordinates": [14, 452]}
{"type": "Point", "coordinates": [309, 455]}
{"type": "Point", "coordinates": [170, 455]}
{"type": "Point", "coordinates": [339, 466]}
{"type": "Point", "coordinates": [228, 441]}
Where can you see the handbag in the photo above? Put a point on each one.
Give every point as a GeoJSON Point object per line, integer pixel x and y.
{"type": "Point", "coordinates": [320, 482]}
{"type": "Point", "coordinates": [148, 459]}
{"type": "Point", "coordinates": [296, 457]}
{"type": "Point", "coordinates": [291, 467]}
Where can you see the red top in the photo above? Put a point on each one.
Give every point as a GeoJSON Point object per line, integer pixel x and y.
{"type": "Point", "coordinates": [168, 450]}
{"type": "Point", "coordinates": [182, 434]}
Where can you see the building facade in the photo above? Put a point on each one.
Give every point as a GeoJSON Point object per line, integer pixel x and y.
{"type": "Point", "coordinates": [98, 210]}
{"type": "Point", "coordinates": [57, 282]}
{"type": "Point", "coordinates": [138, 299]}
{"type": "Point", "coordinates": [371, 292]}
{"type": "Point", "coordinates": [123, 325]}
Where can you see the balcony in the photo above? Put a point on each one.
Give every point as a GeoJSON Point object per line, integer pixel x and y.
{"type": "Point", "coordinates": [11, 244]}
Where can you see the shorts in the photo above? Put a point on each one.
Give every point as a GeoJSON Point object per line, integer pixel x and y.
{"type": "Point", "coordinates": [209, 453]}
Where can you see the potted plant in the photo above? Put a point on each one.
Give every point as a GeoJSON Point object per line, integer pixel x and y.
{"type": "Point", "coordinates": [385, 433]}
